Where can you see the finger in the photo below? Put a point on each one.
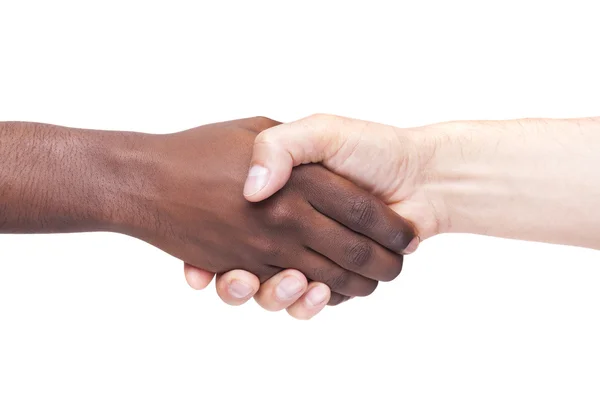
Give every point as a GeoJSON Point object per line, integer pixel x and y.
{"type": "Point", "coordinates": [312, 302]}
{"type": "Point", "coordinates": [197, 278]}
{"type": "Point", "coordinates": [355, 208]}
{"type": "Point", "coordinates": [266, 272]}
{"type": "Point", "coordinates": [318, 268]}
{"type": "Point", "coordinates": [237, 287]}
{"type": "Point", "coordinates": [278, 149]}
{"type": "Point", "coordinates": [282, 290]}
{"type": "Point", "coordinates": [337, 298]}
{"type": "Point", "coordinates": [353, 251]}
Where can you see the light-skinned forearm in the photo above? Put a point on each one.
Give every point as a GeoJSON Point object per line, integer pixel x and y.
{"type": "Point", "coordinates": [533, 179]}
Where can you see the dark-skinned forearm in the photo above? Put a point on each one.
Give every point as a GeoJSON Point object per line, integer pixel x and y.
{"type": "Point", "coordinates": [59, 179]}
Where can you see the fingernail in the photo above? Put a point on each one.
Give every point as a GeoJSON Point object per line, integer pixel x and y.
{"type": "Point", "coordinates": [412, 246]}
{"type": "Point", "coordinates": [258, 177]}
{"type": "Point", "coordinates": [316, 296]}
{"type": "Point", "coordinates": [288, 288]}
{"type": "Point", "coordinates": [239, 289]}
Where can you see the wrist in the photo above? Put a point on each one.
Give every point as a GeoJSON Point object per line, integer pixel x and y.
{"type": "Point", "coordinates": [468, 174]}
{"type": "Point", "coordinates": [127, 169]}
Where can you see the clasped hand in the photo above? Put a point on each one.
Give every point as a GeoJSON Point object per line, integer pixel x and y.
{"type": "Point", "coordinates": [319, 224]}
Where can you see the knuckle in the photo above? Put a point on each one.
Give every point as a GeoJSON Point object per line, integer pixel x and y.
{"type": "Point", "coordinates": [281, 214]}
{"type": "Point", "coordinates": [360, 254]}
{"type": "Point", "coordinates": [267, 137]}
{"type": "Point", "coordinates": [339, 281]}
{"type": "Point", "coordinates": [319, 117]}
{"type": "Point", "coordinates": [362, 213]}
{"type": "Point", "coordinates": [319, 275]}
{"type": "Point", "coordinates": [262, 137]}
{"type": "Point", "coordinates": [323, 119]}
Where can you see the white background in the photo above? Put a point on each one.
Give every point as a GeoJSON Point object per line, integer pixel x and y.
{"type": "Point", "coordinates": [104, 316]}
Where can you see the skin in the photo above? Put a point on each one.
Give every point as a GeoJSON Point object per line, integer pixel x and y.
{"type": "Point", "coordinates": [452, 177]}
{"type": "Point", "coordinates": [182, 193]}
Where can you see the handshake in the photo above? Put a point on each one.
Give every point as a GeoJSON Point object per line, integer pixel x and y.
{"type": "Point", "coordinates": [237, 200]}
{"type": "Point", "coordinates": [327, 235]}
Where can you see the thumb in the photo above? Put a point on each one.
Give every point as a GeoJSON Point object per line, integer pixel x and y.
{"type": "Point", "coordinates": [196, 277]}
{"type": "Point", "coordinates": [279, 149]}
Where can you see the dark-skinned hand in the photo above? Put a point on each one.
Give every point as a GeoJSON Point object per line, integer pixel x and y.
{"type": "Point", "coordinates": [320, 224]}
